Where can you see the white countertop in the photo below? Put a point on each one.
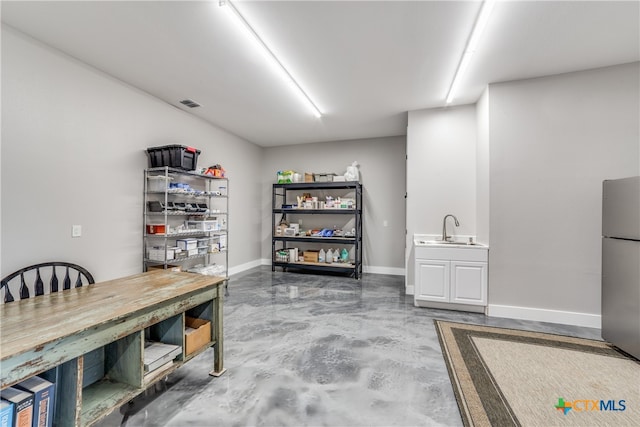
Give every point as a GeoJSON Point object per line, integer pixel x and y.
{"type": "Point", "coordinates": [457, 241]}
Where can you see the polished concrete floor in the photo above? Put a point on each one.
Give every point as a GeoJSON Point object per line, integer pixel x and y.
{"type": "Point", "coordinates": [318, 350]}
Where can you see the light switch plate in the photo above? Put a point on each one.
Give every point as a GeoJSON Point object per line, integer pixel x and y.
{"type": "Point", "coordinates": [76, 230]}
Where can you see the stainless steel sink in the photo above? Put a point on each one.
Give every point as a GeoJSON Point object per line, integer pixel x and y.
{"type": "Point", "coordinates": [447, 243]}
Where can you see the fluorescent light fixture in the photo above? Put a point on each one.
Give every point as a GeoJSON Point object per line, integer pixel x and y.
{"type": "Point", "coordinates": [481, 23]}
{"type": "Point", "coordinates": [242, 22]}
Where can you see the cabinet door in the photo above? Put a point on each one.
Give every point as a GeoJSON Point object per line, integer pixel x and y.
{"type": "Point", "coordinates": [432, 280]}
{"type": "Point", "coordinates": [469, 282]}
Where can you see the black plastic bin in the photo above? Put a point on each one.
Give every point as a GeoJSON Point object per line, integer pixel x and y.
{"type": "Point", "coordinates": [174, 156]}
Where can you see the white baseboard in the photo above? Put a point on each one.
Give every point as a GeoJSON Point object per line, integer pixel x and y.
{"type": "Point", "coordinates": [393, 271]}
{"type": "Point", "coordinates": [410, 290]}
{"type": "Point", "coordinates": [246, 266]}
{"type": "Point", "coordinates": [544, 315]}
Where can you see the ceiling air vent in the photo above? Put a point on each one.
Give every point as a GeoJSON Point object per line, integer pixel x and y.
{"type": "Point", "coordinates": [190, 103]}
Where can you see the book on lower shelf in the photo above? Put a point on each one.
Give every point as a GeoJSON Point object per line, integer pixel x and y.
{"type": "Point", "coordinates": [6, 413]}
{"type": "Point", "coordinates": [22, 405]}
{"type": "Point", "coordinates": [43, 399]}
{"type": "Point", "coordinates": [157, 354]}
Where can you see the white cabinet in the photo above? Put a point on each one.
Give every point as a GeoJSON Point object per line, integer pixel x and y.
{"type": "Point", "coordinates": [451, 278]}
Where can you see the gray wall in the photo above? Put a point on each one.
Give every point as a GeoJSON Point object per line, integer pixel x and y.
{"type": "Point", "coordinates": [441, 173]}
{"type": "Point", "coordinates": [552, 142]}
{"type": "Point", "coordinates": [382, 173]}
{"type": "Point", "coordinates": [483, 165]}
{"type": "Point", "coordinates": [73, 143]}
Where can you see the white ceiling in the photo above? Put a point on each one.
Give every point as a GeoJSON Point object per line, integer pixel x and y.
{"type": "Point", "coordinates": [365, 63]}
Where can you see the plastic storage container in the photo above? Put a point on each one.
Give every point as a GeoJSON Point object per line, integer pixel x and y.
{"type": "Point", "coordinates": [156, 229]}
{"type": "Point", "coordinates": [158, 182]}
{"type": "Point", "coordinates": [323, 177]}
{"type": "Point", "coordinates": [187, 244]}
{"type": "Point", "coordinates": [210, 225]}
{"type": "Point", "coordinates": [175, 156]}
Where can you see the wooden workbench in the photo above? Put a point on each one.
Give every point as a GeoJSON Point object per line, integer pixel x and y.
{"type": "Point", "coordinates": [48, 336]}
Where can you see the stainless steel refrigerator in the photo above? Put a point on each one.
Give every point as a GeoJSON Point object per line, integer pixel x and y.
{"type": "Point", "coordinates": [621, 263]}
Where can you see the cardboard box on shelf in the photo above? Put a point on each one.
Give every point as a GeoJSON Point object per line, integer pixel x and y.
{"type": "Point", "coordinates": [311, 256]}
{"type": "Point", "coordinates": [197, 334]}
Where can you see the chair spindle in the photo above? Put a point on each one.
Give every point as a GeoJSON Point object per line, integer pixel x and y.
{"type": "Point", "coordinates": [7, 293]}
{"type": "Point", "coordinates": [67, 281]}
{"type": "Point", "coordinates": [39, 286]}
{"type": "Point", "coordinates": [24, 290]}
{"type": "Point", "coordinates": [54, 280]}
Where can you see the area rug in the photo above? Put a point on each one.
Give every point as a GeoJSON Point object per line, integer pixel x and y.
{"type": "Point", "coordinates": [506, 377]}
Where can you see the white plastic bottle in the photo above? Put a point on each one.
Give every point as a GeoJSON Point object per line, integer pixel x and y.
{"type": "Point", "coordinates": [336, 255]}
{"type": "Point", "coordinates": [321, 256]}
{"type": "Point", "coordinates": [329, 257]}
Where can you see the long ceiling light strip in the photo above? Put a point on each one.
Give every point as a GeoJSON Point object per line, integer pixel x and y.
{"type": "Point", "coordinates": [240, 20]}
{"type": "Point", "coordinates": [481, 23]}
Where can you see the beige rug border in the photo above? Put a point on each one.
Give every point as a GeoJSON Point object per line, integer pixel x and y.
{"type": "Point", "coordinates": [461, 380]}
{"type": "Point", "coordinates": [468, 398]}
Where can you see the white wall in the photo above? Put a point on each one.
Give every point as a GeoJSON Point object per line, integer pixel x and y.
{"type": "Point", "coordinates": [552, 142]}
{"type": "Point", "coordinates": [382, 174]}
{"type": "Point", "coordinates": [441, 173]}
{"type": "Point", "coordinates": [73, 143]}
{"type": "Point", "coordinates": [1, 127]}
{"type": "Point", "coordinates": [441, 169]}
{"type": "Point", "coordinates": [483, 165]}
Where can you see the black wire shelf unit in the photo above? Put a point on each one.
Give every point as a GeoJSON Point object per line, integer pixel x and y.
{"type": "Point", "coordinates": [285, 207]}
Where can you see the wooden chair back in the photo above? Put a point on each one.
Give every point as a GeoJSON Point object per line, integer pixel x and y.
{"type": "Point", "coordinates": [44, 278]}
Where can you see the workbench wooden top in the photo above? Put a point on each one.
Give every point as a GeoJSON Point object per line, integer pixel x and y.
{"type": "Point", "coordinates": [34, 322]}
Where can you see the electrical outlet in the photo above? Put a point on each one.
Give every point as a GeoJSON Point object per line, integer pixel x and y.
{"type": "Point", "coordinates": [76, 230]}
{"type": "Point", "coordinates": [385, 223]}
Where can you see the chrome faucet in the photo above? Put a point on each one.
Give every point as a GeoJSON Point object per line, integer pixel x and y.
{"type": "Point", "coordinates": [445, 237]}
